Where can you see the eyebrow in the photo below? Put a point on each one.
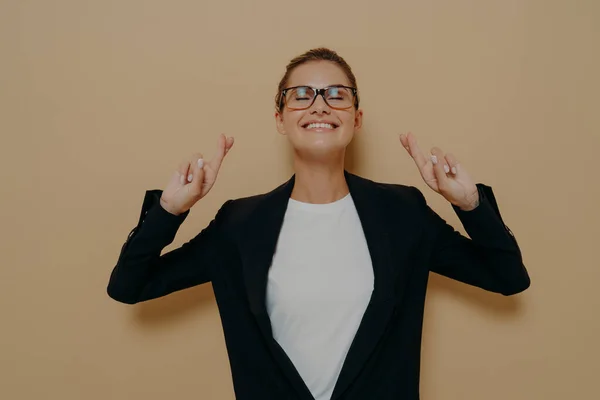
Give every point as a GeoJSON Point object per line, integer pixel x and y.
{"type": "Point", "coordinates": [332, 85]}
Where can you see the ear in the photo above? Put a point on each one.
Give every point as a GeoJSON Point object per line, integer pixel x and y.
{"type": "Point", "coordinates": [279, 122]}
{"type": "Point", "coordinates": [358, 117]}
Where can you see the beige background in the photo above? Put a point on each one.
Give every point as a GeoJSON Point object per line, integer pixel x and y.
{"type": "Point", "coordinates": [100, 100]}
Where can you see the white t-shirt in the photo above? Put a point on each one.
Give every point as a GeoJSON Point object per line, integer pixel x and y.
{"type": "Point", "coordinates": [319, 286]}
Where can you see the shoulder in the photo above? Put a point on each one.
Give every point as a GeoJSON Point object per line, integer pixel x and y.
{"type": "Point", "coordinates": [243, 206]}
{"type": "Point", "coordinates": [240, 210]}
{"type": "Point", "coordinates": [395, 192]}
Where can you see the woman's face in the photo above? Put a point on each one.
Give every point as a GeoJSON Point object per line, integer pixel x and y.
{"type": "Point", "coordinates": [318, 141]}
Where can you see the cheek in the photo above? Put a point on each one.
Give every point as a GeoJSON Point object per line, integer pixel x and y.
{"type": "Point", "coordinates": [348, 120]}
{"type": "Point", "coordinates": [291, 120]}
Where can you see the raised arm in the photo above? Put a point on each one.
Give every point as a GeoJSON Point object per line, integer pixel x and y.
{"type": "Point", "coordinates": [141, 272]}
{"type": "Point", "coordinates": [490, 258]}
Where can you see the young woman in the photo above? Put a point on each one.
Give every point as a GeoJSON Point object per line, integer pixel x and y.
{"type": "Point", "coordinates": [321, 282]}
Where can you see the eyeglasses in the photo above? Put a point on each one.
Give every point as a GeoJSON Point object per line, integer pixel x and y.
{"type": "Point", "coordinates": [302, 97]}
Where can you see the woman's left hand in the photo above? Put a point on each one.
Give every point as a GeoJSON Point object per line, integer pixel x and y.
{"type": "Point", "coordinates": [443, 173]}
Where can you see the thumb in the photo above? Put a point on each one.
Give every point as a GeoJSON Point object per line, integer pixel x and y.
{"type": "Point", "coordinates": [198, 175]}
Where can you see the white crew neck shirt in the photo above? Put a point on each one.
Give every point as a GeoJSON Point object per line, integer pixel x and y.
{"type": "Point", "coordinates": [319, 285]}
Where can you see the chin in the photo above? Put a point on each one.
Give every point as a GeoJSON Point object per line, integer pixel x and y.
{"type": "Point", "coordinates": [319, 150]}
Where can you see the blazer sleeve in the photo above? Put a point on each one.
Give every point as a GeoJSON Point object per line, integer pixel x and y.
{"type": "Point", "coordinates": [142, 273]}
{"type": "Point", "coordinates": [490, 259]}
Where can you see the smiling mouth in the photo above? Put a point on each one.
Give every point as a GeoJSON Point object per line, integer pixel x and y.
{"type": "Point", "coordinates": [320, 125]}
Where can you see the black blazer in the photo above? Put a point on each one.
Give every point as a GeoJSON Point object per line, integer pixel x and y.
{"type": "Point", "coordinates": [406, 240]}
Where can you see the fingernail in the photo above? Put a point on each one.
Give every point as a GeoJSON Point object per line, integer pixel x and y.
{"type": "Point", "coordinates": [181, 179]}
{"type": "Point", "coordinates": [434, 159]}
{"type": "Point", "coordinates": [200, 163]}
{"type": "Point", "coordinates": [446, 168]}
{"type": "Point", "coordinates": [453, 170]}
{"type": "Point", "coordinates": [190, 177]}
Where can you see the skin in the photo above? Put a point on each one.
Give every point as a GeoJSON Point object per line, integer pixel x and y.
{"type": "Point", "coordinates": [193, 179]}
{"type": "Point", "coordinates": [319, 153]}
{"type": "Point", "coordinates": [443, 174]}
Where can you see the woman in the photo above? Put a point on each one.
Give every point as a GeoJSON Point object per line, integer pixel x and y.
{"type": "Point", "coordinates": [321, 282]}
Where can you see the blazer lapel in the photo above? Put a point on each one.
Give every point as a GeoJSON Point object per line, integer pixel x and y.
{"type": "Point", "coordinates": [375, 223]}
{"type": "Point", "coordinates": [257, 247]}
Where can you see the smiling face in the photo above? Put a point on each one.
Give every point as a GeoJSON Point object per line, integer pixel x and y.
{"type": "Point", "coordinates": [320, 130]}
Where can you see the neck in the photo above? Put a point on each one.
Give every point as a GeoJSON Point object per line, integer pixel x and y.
{"type": "Point", "coordinates": [319, 182]}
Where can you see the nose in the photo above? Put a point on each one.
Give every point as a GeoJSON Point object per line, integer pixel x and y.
{"type": "Point", "coordinates": [320, 106]}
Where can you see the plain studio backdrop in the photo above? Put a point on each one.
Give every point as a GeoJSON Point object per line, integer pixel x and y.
{"type": "Point", "coordinates": [101, 100]}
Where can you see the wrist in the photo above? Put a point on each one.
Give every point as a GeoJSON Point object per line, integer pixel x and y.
{"type": "Point", "coordinates": [471, 202]}
{"type": "Point", "coordinates": [168, 208]}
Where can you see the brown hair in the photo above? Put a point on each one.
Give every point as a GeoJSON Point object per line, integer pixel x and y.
{"type": "Point", "coordinates": [319, 54]}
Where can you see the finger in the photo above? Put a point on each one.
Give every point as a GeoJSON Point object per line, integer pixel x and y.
{"type": "Point", "coordinates": [192, 164]}
{"type": "Point", "coordinates": [229, 144]}
{"type": "Point", "coordinates": [183, 171]}
{"type": "Point", "coordinates": [198, 173]}
{"type": "Point", "coordinates": [415, 151]}
{"type": "Point", "coordinates": [175, 178]}
{"type": "Point", "coordinates": [404, 142]}
{"type": "Point", "coordinates": [215, 162]}
{"type": "Point", "coordinates": [439, 166]}
{"type": "Point", "coordinates": [452, 163]}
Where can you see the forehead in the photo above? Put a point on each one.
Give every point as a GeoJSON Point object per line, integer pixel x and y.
{"type": "Point", "coordinates": [318, 74]}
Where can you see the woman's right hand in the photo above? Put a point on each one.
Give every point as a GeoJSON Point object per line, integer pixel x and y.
{"type": "Point", "coordinates": [194, 179]}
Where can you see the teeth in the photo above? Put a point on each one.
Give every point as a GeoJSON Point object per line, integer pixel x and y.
{"type": "Point", "coordinates": [319, 125]}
